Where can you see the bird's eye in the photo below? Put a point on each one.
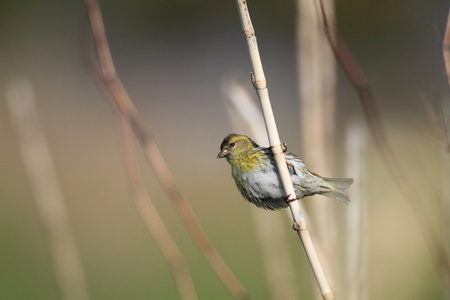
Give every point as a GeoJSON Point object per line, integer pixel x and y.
{"type": "Point", "coordinates": [232, 144]}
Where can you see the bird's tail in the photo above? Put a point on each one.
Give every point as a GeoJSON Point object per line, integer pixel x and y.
{"type": "Point", "coordinates": [339, 185]}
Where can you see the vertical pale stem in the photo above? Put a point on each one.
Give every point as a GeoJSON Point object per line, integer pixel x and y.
{"type": "Point", "coordinates": [317, 85]}
{"type": "Point", "coordinates": [49, 200]}
{"type": "Point", "coordinates": [356, 220]}
{"type": "Point", "coordinates": [317, 82]}
{"type": "Point", "coordinates": [245, 115]}
{"type": "Point", "coordinates": [259, 83]}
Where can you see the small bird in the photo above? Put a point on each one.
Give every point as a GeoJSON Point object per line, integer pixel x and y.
{"type": "Point", "coordinates": [256, 175]}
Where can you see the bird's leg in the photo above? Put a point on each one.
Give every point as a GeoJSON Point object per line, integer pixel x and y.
{"type": "Point", "coordinates": [295, 226]}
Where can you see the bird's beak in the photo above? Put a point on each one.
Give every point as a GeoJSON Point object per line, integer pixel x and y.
{"type": "Point", "coordinates": [223, 153]}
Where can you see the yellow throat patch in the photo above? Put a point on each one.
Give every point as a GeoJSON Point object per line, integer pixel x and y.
{"type": "Point", "coordinates": [247, 161]}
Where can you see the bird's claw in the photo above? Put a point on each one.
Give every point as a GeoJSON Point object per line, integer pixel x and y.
{"type": "Point", "coordinates": [252, 76]}
{"type": "Point", "coordinates": [287, 199]}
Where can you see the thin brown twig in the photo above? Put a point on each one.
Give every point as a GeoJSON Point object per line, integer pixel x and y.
{"type": "Point", "coordinates": [123, 103]}
{"type": "Point", "coordinates": [373, 115]}
{"type": "Point", "coordinates": [148, 213]}
{"type": "Point", "coordinates": [143, 203]}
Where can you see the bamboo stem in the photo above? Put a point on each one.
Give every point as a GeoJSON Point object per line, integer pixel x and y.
{"type": "Point", "coordinates": [259, 82]}
{"type": "Point", "coordinates": [121, 100]}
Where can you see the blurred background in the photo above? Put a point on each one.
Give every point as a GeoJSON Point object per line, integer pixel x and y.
{"type": "Point", "coordinates": [173, 57]}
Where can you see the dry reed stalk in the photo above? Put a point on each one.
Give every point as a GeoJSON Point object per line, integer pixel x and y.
{"type": "Point", "coordinates": [377, 129]}
{"type": "Point", "coordinates": [259, 82]}
{"type": "Point", "coordinates": [316, 71]}
{"type": "Point", "coordinates": [148, 213]}
{"type": "Point", "coordinates": [123, 103]}
{"type": "Point", "coordinates": [356, 246]}
{"type": "Point", "coordinates": [245, 115]}
{"type": "Point", "coordinates": [48, 197]}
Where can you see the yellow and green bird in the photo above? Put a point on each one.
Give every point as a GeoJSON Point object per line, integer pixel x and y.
{"type": "Point", "coordinates": [256, 175]}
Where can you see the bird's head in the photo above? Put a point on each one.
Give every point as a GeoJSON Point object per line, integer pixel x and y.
{"type": "Point", "coordinates": [234, 145]}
